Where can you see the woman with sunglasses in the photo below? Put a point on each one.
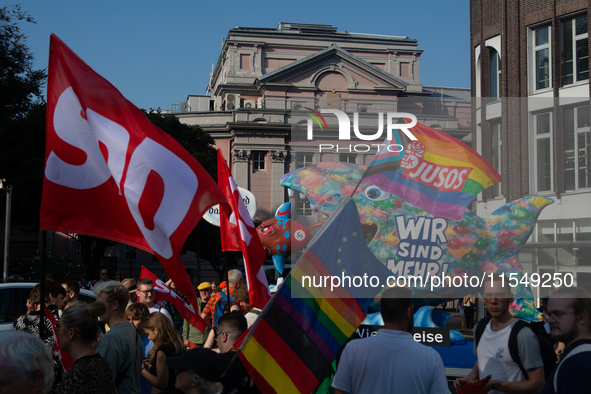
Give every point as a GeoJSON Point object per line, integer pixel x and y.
{"type": "Point", "coordinates": [167, 343]}
{"type": "Point", "coordinates": [77, 333]}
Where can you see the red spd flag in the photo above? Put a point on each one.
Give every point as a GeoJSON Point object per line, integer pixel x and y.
{"type": "Point", "coordinates": [229, 232]}
{"type": "Point", "coordinates": [110, 173]}
{"type": "Point", "coordinates": [252, 250]}
{"type": "Point", "coordinates": [165, 293]}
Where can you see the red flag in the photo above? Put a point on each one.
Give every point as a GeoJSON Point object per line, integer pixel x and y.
{"type": "Point", "coordinates": [252, 250]}
{"type": "Point", "coordinates": [165, 293]}
{"type": "Point", "coordinates": [65, 357]}
{"type": "Point", "coordinates": [110, 173]}
{"type": "Point", "coordinates": [229, 232]}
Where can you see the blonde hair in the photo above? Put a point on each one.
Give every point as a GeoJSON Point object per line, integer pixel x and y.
{"type": "Point", "coordinates": [166, 334]}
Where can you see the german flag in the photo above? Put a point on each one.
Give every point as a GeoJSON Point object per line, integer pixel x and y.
{"type": "Point", "coordinates": [303, 328]}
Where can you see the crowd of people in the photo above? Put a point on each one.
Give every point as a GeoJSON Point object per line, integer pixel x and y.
{"type": "Point", "coordinates": [126, 342]}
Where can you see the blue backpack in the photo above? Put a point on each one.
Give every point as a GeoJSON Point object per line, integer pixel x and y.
{"type": "Point", "coordinates": [220, 305]}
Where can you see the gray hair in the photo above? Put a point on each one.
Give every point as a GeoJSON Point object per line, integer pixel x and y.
{"type": "Point", "coordinates": [234, 276]}
{"type": "Point", "coordinates": [115, 291]}
{"type": "Point", "coordinates": [205, 386]}
{"type": "Point", "coordinates": [25, 353]}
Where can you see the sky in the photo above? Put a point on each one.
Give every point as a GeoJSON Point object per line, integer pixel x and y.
{"type": "Point", "coordinates": [159, 52]}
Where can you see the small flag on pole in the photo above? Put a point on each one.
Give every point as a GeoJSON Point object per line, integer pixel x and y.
{"type": "Point", "coordinates": [240, 222]}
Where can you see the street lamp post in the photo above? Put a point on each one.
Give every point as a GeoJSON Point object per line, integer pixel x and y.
{"type": "Point", "coordinates": [7, 226]}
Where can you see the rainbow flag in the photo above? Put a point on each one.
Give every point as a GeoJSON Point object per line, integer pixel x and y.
{"type": "Point", "coordinates": [302, 329]}
{"type": "Point", "coordinates": [437, 173]}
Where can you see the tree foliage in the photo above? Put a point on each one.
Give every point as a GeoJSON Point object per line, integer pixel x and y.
{"type": "Point", "coordinates": [22, 142]}
{"type": "Point", "coordinates": [197, 142]}
{"type": "Point", "coordinates": [20, 85]}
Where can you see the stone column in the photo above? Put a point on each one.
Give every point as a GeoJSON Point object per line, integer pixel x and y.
{"type": "Point", "coordinates": [240, 171]}
{"type": "Point", "coordinates": [277, 170]}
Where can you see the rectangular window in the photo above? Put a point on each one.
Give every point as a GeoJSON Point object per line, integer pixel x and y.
{"type": "Point", "coordinates": [574, 50]}
{"type": "Point", "coordinates": [258, 161]}
{"type": "Point", "coordinates": [541, 58]}
{"type": "Point", "coordinates": [495, 159]}
{"type": "Point", "coordinates": [245, 61]}
{"type": "Point", "coordinates": [304, 160]}
{"type": "Point", "coordinates": [495, 74]}
{"type": "Point", "coordinates": [543, 151]}
{"type": "Point", "coordinates": [405, 69]}
{"type": "Point", "coordinates": [303, 208]}
{"type": "Point", "coordinates": [348, 158]}
{"type": "Point", "coordinates": [577, 149]}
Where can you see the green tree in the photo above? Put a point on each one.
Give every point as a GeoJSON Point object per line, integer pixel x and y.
{"type": "Point", "coordinates": [22, 142]}
{"type": "Point", "coordinates": [20, 85]}
{"type": "Point", "coordinates": [197, 142]}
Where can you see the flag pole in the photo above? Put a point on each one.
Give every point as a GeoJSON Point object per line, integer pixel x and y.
{"type": "Point", "coordinates": [358, 183]}
{"type": "Point", "coordinates": [227, 278]}
{"type": "Point", "coordinates": [198, 255]}
{"type": "Point", "coordinates": [42, 283]}
{"type": "Point", "coordinates": [363, 176]}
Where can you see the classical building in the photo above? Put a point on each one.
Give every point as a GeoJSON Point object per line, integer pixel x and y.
{"type": "Point", "coordinates": [263, 75]}
{"type": "Point", "coordinates": [530, 78]}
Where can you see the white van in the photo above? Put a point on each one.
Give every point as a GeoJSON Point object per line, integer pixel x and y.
{"type": "Point", "coordinates": [13, 301]}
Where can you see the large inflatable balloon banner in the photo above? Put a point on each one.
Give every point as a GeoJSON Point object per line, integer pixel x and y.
{"type": "Point", "coordinates": [411, 242]}
{"type": "Point", "coordinates": [281, 236]}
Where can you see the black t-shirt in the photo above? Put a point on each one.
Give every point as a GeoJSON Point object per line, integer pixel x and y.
{"type": "Point", "coordinates": [169, 351]}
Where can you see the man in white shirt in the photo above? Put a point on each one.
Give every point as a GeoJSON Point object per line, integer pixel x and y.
{"type": "Point", "coordinates": [492, 349]}
{"type": "Point", "coordinates": [391, 361]}
{"type": "Point", "coordinates": [146, 292]}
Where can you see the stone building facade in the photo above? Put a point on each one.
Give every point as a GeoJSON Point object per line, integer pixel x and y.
{"type": "Point", "coordinates": [263, 75]}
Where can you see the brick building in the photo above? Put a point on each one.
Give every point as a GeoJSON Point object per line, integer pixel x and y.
{"type": "Point", "coordinates": [530, 83]}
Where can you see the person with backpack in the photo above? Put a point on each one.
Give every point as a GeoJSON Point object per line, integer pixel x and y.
{"type": "Point", "coordinates": [492, 347]}
{"type": "Point", "coordinates": [214, 310]}
{"type": "Point", "coordinates": [569, 315]}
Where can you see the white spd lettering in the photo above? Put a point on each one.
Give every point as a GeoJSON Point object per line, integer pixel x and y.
{"type": "Point", "coordinates": [72, 128]}
{"type": "Point", "coordinates": [115, 138]}
{"type": "Point", "coordinates": [160, 287]}
{"type": "Point", "coordinates": [180, 182]}
{"type": "Point", "coordinates": [180, 186]}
